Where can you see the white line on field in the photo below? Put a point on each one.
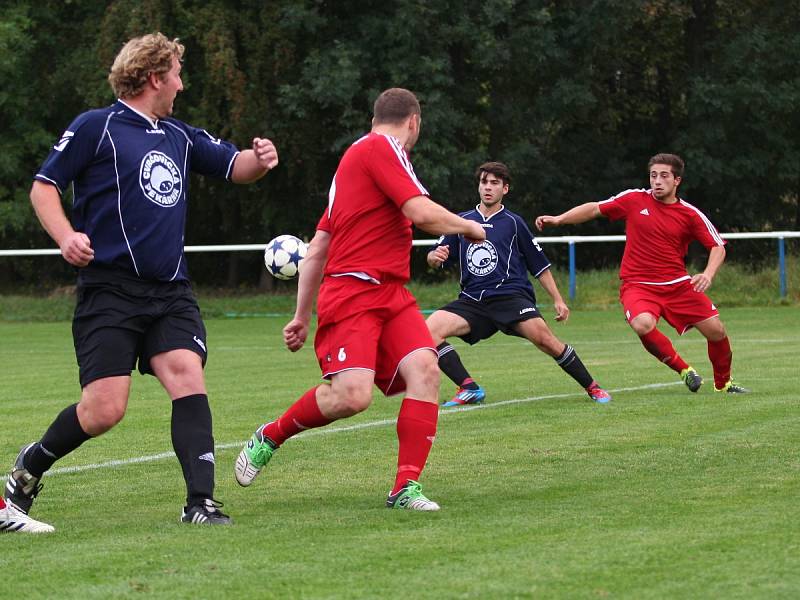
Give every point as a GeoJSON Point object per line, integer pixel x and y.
{"type": "Point", "coordinates": [345, 428]}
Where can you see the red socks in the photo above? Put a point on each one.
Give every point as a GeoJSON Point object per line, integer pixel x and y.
{"type": "Point", "coordinates": [720, 355]}
{"type": "Point", "coordinates": [303, 414]}
{"type": "Point", "coordinates": [416, 430]}
{"type": "Point", "coordinates": [657, 344]}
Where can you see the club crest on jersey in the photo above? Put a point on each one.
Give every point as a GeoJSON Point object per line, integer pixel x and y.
{"type": "Point", "coordinates": [160, 179]}
{"type": "Point", "coordinates": [481, 258]}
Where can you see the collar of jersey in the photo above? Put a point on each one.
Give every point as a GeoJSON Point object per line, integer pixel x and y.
{"type": "Point", "coordinates": [153, 124]}
{"type": "Point", "coordinates": [485, 218]}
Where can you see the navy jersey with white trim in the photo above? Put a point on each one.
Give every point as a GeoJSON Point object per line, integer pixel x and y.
{"type": "Point", "coordinates": [130, 183]}
{"type": "Point", "coordinates": [499, 265]}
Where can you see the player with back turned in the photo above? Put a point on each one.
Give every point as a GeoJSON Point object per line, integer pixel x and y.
{"type": "Point", "coordinates": [370, 330]}
{"type": "Point", "coordinates": [129, 166]}
{"type": "Point", "coordinates": [655, 283]}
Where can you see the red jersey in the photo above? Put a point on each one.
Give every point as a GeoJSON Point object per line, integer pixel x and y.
{"type": "Point", "coordinates": [658, 236]}
{"type": "Point", "coordinates": [370, 236]}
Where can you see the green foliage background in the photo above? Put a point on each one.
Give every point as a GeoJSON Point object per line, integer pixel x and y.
{"type": "Point", "coordinates": [574, 96]}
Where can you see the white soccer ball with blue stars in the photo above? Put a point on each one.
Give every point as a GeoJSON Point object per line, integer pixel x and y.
{"type": "Point", "coordinates": [283, 256]}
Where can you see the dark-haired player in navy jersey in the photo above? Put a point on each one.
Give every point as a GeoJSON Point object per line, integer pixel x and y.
{"type": "Point", "coordinates": [496, 293]}
{"type": "Point", "coordinates": [129, 166]}
{"type": "Point", "coordinates": [659, 227]}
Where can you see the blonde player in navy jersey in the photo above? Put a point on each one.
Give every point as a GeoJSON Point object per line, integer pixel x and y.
{"type": "Point", "coordinates": [655, 283]}
{"type": "Point", "coordinates": [129, 166]}
{"type": "Point", "coordinates": [496, 294]}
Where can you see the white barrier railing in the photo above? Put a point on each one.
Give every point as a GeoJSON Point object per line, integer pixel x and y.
{"type": "Point", "coordinates": [571, 240]}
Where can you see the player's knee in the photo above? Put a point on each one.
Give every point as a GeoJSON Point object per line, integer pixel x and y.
{"type": "Point", "coordinates": [100, 417]}
{"type": "Point", "coordinates": [349, 400]}
{"type": "Point", "coordinates": [715, 331]}
{"type": "Point", "coordinates": [643, 324]}
{"type": "Point", "coordinates": [436, 329]}
{"type": "Point", "coordinates": [428, 376]}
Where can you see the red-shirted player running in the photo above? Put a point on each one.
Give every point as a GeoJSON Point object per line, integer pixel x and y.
{"type": "Point", "coordinates": [370, 329]}
{"type": "Point", "coordinates": [655, 282]}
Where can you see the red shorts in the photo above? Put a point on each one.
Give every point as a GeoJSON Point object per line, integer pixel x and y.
{"type": "Point", "coordinates": [678, 303]}
{"type": "Point", "coordinates": [367, 326]}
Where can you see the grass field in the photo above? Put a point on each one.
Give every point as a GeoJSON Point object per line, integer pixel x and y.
{"type": "Point", "coordinates": [660, 494]}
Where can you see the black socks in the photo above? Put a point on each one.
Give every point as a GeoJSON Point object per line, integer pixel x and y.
{"type": "Point", "coordinates": [450, 363]}
{"type": "Point", "coordinates": [194, 445]}
{"type": "Point", "coordinates": [573, 366]}
{"type": "Point", "coordinates": [62, 437]}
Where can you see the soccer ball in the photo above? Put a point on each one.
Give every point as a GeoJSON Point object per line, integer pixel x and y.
{"type": "Point", "coordinates": [282, 256]}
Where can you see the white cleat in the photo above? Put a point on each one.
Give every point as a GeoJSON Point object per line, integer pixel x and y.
{"type": "Point", "coordinates": [13, 520]}
{"type": "Point", "coordinates": [253, 457]}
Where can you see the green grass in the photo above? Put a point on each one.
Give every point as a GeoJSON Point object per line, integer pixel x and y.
{"type": "Point", "coordinates": [661, 493]}
{"type": "Point", "coordinates": [735, 285]}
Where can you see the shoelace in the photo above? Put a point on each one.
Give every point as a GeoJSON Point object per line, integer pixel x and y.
{"type": "Point", "coordinates": [212, 506]}
{"type": "Point", "coordinates": [414, 490]}
{"type": "Point", "coordinates": [260, 451]}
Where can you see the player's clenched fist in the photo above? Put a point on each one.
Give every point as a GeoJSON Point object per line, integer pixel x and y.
{"type": "Point", "coordinates": [438, 255]}
{"type": "Point", "coordinates": [266, 153]}
{"type": "Point", "coordinates": [545, 221]}
{"type": "Point", "coordinates": [295, 334]}
{"type": "Point", "coordinates": [77, 250]}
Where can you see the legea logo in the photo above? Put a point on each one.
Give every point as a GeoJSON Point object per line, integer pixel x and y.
{"type": "Point", "coordinates": [481, 258]}
{"type": "Point", "coordinates": [65, 139]}
{"type": "Point", "coordinates": [160, 179]}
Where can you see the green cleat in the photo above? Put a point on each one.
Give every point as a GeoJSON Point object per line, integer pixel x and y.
{"type": "Point", "coordinates": [410, 497]}
{"type": "Point", "coordinates": [253, 457]}
{"type": "Point", "coordinates": [732, 388]}
{"type": "Point", "coordinates": [692, 380]}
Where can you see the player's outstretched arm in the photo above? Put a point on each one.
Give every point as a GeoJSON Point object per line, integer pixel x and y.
{"type": "Point", "coordinates": [296, 331]}
{"type": "Point", "coordinates": [549, 284]}
{"type": "Point", "coordinates": [436, 219]}
{"type": "Point", "coordinates": [252, 164]}
{"type": "Point", "coordinates": [76, 248]}
{"type": "Point", "coordinates": [579, 214]}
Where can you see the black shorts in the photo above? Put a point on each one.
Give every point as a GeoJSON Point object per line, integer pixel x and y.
{"type": "Point", "coordinates": [500, 313]}
{"type": "Point", "coordinates": [121, 320]}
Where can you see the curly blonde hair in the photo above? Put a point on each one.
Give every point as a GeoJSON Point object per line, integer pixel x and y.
{"type": "Point", "coordinates": [139, 57]}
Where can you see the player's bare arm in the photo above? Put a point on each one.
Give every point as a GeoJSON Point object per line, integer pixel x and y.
{"type": "Point", "coordinates": [579, 214]}
{"type": "Point", "coordinates": [76, 248]}
{"type": "Point", "coordinates": [437, 220]}
{"type": "Point", "coordinates": [702, 281]}
{"type": "Point", "coordinates": [437, 256]}
{"type": "Point", "coordinates": [549, 284]}
{"type": "Point", "coordinates": [252, 164]}
{"type": "Point", "coordinates": [296, 331]}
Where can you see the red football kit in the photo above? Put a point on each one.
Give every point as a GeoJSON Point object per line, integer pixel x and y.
{"type": "Point", "coordinates": [366, 317]}
{"type": "Point", "coordinates": [653, 272]}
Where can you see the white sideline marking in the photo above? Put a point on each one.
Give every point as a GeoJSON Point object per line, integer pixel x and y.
{"type": "Point", "coordinates": [332, 430]}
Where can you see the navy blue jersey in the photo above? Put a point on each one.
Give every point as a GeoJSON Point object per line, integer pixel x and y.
{"type": "Point", "coordinates": [130, 183]}
{"type": "Point", "coordinates": [500, 265]}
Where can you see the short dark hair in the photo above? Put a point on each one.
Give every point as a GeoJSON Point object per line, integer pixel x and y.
{"type": "Point", "coordinates": [395, 105]}
{"type": "Point", "coordinates": [497, 169]}
{"type": "Point", "coordinates": [673, 160]}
